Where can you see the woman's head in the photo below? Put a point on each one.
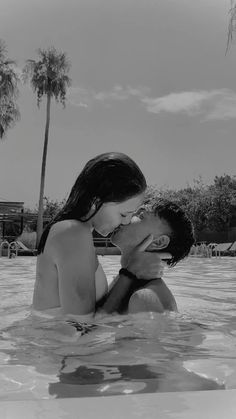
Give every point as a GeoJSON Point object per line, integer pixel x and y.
{"type": "Point", "coordinates": [107, 178]}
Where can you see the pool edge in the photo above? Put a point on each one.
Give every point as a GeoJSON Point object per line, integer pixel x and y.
{"type": "Point", "coordinates": [183, 405]}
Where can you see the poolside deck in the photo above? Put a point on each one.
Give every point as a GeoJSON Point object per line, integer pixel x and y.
{"type": "Point", "coordinates": [215, 404]}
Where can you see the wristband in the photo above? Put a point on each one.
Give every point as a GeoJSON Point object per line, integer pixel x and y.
{"type": "Point", "coordinates": [126, 272]}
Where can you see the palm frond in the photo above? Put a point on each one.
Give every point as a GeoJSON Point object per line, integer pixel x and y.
{"type": "Point", "coordinates": [231, 25]}
{"type": "Point", "coordinates": [48, 75]}
{"type": "Point", "coordinates": [8, 75]}
{"type": "Point", "coordinates": [9, 114]}
{"type": "Point", "coordinates": [8, 80]}
{"type": "Point", "coordinates": [9, 111]}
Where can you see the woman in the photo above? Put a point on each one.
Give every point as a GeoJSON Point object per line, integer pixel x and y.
{"type": "Point", "coordinates": [69, 279]}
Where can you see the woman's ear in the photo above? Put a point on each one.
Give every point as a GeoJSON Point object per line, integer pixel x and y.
{"type": "Point", "coordinates": [159, 244]}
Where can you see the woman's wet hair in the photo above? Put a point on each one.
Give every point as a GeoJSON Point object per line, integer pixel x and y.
{"type": "Point", "coordinates": [108, 177]}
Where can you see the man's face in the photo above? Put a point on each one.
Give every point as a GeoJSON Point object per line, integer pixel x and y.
{"type": "Point", "coordinates": [131, 235]}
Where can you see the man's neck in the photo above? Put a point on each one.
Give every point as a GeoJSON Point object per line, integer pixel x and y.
{"type": "Point", "coordinates": [126, 249]}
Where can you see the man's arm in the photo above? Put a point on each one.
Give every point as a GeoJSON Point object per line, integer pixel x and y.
{"type": "Point", "coordinates": [143, 265]}
{"type": "Point", "coordinates": [156, 296]}
{"type": "Point", "coordinates": [118, 297]}
{"type": "Point", "coordinates": [144, 300]}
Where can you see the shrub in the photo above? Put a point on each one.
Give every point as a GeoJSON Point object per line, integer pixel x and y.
{"type": "Point", "coordinates": [28, 238]}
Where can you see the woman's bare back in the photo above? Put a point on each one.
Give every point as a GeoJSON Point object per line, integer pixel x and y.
{"type": "Point", "coordinates": [67, 265]}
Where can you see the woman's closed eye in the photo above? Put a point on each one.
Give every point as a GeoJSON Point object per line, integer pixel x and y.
{"type": "Point", "coordinates": [126, 218]}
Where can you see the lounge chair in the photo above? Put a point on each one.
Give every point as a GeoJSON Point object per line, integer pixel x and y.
{"type": "Point", "coordinates": [221, 248]}
{"type": "Point", "coordinates": [233, 248]}
{"type": "Point", "coordinates": [24, 250]}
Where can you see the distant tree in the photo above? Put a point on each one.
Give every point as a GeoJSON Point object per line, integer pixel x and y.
{"type": "Point", "coordinates": [52, 207]}
{"type": "Point", "coordinates": [9, 111]}
{"type": "Point", "coordinates": [49, 77]}
{"type": "Point", "coordinates": [211, 207]}
{"type": "Point", "coordinates": [193, 200]}
{"type": "Point", "coordinates": [222, 199]}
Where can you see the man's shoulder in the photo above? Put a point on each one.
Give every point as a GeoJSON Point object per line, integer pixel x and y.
{"type": "Point", "coordinates": [145, 299]}
{"type": "Point", "coordinates": [159, 287]}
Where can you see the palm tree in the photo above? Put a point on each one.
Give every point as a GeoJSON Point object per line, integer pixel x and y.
{"type": "Point", "coordinates": [9, 112]}
{"type": "Point", "coordinates": [232, 24]}
{"type": "Point", "coordinates": [48, 77]}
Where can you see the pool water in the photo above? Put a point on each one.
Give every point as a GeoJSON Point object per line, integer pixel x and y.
{"type": "Point", "coordinates": [193, 349]}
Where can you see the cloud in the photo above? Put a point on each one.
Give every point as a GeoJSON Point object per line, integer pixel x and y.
{"type": "Point", "coordinates": [225, 106]}
{"type": "Point", "coordinates": [218, 104]}
{"type": "Point", "coordinates": [117, 93]}
{"type": "Point", "coordinates": [184, 102]}
{"type": "Point", "coordinates": [213, 104]}
{"type": "Point", "coordinates": [120, 93]}
{"type": "Point", "coordinates": [78, 96]}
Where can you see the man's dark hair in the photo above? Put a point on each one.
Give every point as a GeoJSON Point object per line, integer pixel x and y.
{"type": "Point", "coordinates": [182, 236]}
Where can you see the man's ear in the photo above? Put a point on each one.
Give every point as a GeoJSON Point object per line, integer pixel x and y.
{"type": "Point", "coordinates": [159, 244]}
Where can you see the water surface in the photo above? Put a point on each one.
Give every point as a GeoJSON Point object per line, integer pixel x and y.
{"type": "Point", "coordinates": [191, 350]}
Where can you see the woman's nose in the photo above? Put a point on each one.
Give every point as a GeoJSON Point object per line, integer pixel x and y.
{"type": "Point", "coordinates": [127, 219]}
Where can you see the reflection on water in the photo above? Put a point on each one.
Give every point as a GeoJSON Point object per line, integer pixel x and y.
{"type": "Point", "coordinates": [191, 350]}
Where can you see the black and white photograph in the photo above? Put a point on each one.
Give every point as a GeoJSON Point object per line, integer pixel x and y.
{"type": "Point", "coordinates": [117, 209]}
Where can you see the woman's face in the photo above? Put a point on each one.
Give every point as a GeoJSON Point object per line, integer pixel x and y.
{"type": "Point", "coordinates": [113, 214]}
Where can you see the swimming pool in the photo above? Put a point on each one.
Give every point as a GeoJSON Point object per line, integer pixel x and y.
{"type": "Point", "coordinates": [193, 350]}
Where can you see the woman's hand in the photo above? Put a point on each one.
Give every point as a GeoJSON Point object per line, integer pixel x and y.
{"type": "Point", "coordinates": [145, 265]}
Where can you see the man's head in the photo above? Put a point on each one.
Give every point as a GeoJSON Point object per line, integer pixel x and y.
{"type": "Point", "coordinates": [171, 228]}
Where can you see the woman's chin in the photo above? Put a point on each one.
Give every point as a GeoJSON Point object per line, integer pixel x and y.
{"type": "Point", "coordinates": [104, 233]}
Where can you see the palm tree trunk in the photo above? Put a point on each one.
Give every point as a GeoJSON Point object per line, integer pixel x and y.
{"type": "Point", "coordinates": [43, 171]}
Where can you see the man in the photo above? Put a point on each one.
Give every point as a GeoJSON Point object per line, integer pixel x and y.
{"type": "Point", "coordinates": [169, 230]}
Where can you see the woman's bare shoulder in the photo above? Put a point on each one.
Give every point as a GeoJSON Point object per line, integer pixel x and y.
{"type": "Point", "coordinates": [68, 227]}
{"type": "Point", "coordinates": [69, 233]}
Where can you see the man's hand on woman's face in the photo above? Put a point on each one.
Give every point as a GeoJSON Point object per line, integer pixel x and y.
{"type": "Point", "coordinates": [145, 265]}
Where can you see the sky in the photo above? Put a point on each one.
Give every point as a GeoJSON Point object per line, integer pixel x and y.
{"type": "Point", "coordinates": [150, 78]}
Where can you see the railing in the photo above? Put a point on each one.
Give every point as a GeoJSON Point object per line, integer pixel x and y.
{"type": "Point", "coordinates": [102, 242]}
{"type": "Point", "coordinates": [5, 244]}
{"type": "Point", "coordinates": [103, 246]}
{"type": "Point", "coordinates": [12, 249]}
